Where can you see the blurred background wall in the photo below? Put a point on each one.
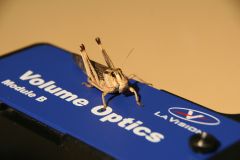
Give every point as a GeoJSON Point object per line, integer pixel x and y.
{"type": "Point", "coordinates": [188, 47]}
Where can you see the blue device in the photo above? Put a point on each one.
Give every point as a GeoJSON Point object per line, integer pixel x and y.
{"type": "Point", "coordinates": [44, 83]}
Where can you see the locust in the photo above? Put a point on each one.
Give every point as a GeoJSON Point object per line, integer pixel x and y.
{"type": "Point", "coordinates": [106, 78]}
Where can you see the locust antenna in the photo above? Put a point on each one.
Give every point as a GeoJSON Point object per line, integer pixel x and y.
{"type": "Point", "coordinates": [129, 53]}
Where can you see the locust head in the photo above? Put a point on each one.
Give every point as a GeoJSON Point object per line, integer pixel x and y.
{"type": "Point", "coordinates": [121, 79]}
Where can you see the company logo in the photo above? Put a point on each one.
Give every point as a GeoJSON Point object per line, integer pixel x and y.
{"type": "Point", "coordinates": [194, 116]}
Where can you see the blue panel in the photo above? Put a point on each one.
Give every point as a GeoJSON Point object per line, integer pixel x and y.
{"type": "Point", "coordinates": [160, 129]}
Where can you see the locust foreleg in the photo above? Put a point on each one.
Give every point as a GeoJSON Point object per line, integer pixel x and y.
{"type": "Point", "coordinates": [103, 100]}
{"type": "Point", "coordinates": [135, 77]}
{"type": "Point", "coordinates": [131, 89]}
{"type": "Point", "coordinates": [87, 84]}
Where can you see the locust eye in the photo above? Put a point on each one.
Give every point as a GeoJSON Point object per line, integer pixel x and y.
{"type": "Point", "coordinates": [107, 71]}
{"type": "Point", "coordinates": [113, 74]}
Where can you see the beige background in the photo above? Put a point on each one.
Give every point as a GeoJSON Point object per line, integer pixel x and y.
{"type": "Point", "coordinates": [188, 47]}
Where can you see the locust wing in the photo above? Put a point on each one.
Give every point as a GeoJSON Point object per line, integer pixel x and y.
{"type": "Point", "coordinates": [99, 68]}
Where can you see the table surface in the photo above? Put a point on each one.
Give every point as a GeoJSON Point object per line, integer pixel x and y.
{"type": "Point", "coordinates": [190, 48]}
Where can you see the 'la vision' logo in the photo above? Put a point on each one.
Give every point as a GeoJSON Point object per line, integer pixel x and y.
{"type": "Point", "coordinates": [194, 116]}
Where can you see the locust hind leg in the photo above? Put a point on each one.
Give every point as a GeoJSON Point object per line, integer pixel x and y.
{"type": "Point", "coordinates": [90, 70]}
{"type": "Point", "coordinates": [131, 89]}
{"type": "Point", "coordinates": [105, 55]}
